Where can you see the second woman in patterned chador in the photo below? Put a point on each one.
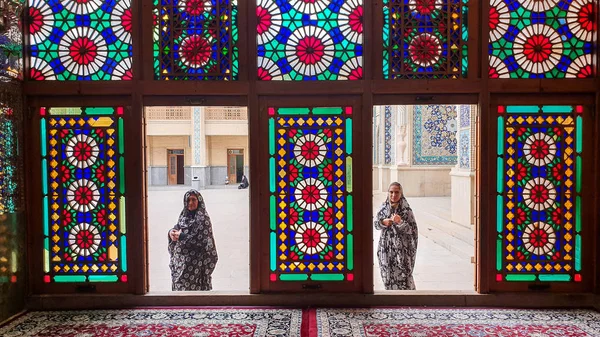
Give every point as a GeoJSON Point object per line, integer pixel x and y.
{"type": "Point", "coordinates": [397, 248]}
{"type": "Point", "coordinates": [192, 246]}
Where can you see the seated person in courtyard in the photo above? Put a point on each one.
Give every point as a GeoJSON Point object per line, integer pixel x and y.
{"type": "Point", "coordinates": [244, 183]}
{"type": "Point", "coordinates": [192, 246]}
{"type": "Point", "coordinates": [397, 249]}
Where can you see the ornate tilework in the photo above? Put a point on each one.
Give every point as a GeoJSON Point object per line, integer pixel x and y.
{"type": "Point", "coordinates": [464, 152]}
{"type": "Point", "coordinates": [465, 116]}
{"type": "Point", "coordinates": [434, 136]}
{"type": "Point", "coordinates": [197, 122]}
{"type": "Point", "coordinates": [388, 135]}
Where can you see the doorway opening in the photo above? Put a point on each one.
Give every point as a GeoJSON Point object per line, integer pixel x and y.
{"type": "Point", "coordinates": [202, 148]}
{"type": "Point", "coordinates": [430, 150]}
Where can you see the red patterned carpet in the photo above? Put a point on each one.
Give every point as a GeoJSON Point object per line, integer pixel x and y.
{"type": "Point", "coordinates": [237, 322]}
{"type": "Point", "coordinates": [455, 323]}
{"type": "Point", "coordinates": [157, 323]}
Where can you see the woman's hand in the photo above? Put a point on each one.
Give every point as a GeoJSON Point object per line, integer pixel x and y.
{"type": "Point", "coordinates": [396, 218]}
{"type": "Point", "coordinates": [174, 234]}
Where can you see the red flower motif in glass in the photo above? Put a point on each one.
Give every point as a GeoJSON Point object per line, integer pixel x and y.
{"type": "Point", "coordinates": [537, 48]}
{"type": "Point", "coordinates": [264, 20]}
{"type": "Point", "coordinates": [83, 51]}
{"type": "Point", "coordinates": [310, 50]}
{"type": "Point", "coordinates": [196, 50]}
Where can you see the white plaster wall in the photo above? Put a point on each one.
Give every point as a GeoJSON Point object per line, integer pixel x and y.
{"type": "Point", "coordinates": [168, 128]}
{"type": "Point", "coordinates": [463, 192]}
{"type": "Point", "coordinates": [226, 128]}
{"type": "Point", "coordinates": [416, 181]}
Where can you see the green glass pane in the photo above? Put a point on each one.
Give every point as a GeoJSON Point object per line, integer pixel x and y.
{"type": "Point", "coordinates": [293, 111]}
{"type": "Point", "coordinates": [122, 176]}
{"type": "Point", "coordinates": [99, 111]}
{"type": "Point", "coordinates": [46, 255]}
{"type": "Point", "coordinates": [293, 277]}
{"type": "Point", "coordinates": [44, 176]}
{"type": "Point", "coordinates": [272, 175]}
{"type": "Point", "coordinates": [45, 210]}
{"type": "Point", "coordinates": [498, 255]}
{"type": "Point", "coordinates": [557, 108]}
{"type": "Point", "coordinates": [579, 135]}
{"type": "Point", "coordinates": [43, 136]}
{"type": "Point", "coordinates": [69, 278]}
{"type": "Point", "coordinates": [65, 111]}
{"type": "Point", "coordinates": [555, 278]}
{"type": "Point", "coordinates": [500, 136]}
{"type": "Point", "coordinates": [350, 251]}
{"type": "Point", "coordinates": [3, 279]}
{"type": "Point", "coordinates": [273, 250]}
{"type": "Point", "coordinates": [121, 138]}
{"type": "Point", "coordinates": [103, 278]}
{"type": "Point", "coordinates": [525, 109]}
{"type": "Point", "coordinates": [271, 136]}
{"type": "Point", "coordinates": [520, 278]}
{"type": "Point", "coordinates": [349, 214]}
{"type": "Point", "coordinates": [577, 253]}
{"type": "Point", "coordinates": [578, 214]}
{"type": "Point", "coordinates": [326, 277]}
{"type": "Point", "coordinates": [349, 174]}
{"type": "Point", "coordinates": [499, 214]}
{"type": "Point", "coordinates": [122, 215]}
{"type": "Point", "coordinates": [578, 177]}
{"type": "Point", "coordinates": [123, 253]}
{"type": "Point", "coordinates": [500, 175]}
{"type": "Point", "coordinates": [349, 136]}
{"type": "Point", "coordinates": [327, 111]}
{"type": "Point", "coordinates": [273, 222]}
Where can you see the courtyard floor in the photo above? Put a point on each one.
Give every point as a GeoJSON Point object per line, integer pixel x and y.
{"type": "Point", "coordinates": [443, 256]}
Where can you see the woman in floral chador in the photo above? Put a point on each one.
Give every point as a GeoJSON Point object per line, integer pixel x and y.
{"type": "Point", "coordinates": [192, 246]}
{"type": "Point", "coordinates": [397, 248]}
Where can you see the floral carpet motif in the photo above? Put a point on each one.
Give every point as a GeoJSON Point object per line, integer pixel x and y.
{"type": "Point", "coordinates": [157, 322]}
{"type": "Point", "coordinates": [456, 323]}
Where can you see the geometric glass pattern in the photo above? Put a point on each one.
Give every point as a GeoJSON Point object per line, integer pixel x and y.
{"type": "Point", "coordinates": [195, 40]}
{"type": "Point", "coordinates": [11, 40]}
{"type": "Point", "coordinates": [83, 195]}
{"type": "Point", "coordinates": [316, 40]}
{"type": "Point", "coordinates": [539, 193]}
{"type": "Point", "coordinates": [543, 39]}
{"type": "Point", "coordinates": [311, 221]}
{"type": "Point", "coordinates": [8, 160]}
{"type": "Point", "coordinates": [425, 39]}
{"type": "Point", "coordinates": [75, 40]}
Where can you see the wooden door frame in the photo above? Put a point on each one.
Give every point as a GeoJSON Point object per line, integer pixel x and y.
{"type": "Point", "coordinates": [234, 155]}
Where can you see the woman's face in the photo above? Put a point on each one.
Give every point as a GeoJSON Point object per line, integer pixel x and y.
{"type": "Point", "coordinates": [192, 203]}
{"type": "Point", "coordinates": [395, 193]}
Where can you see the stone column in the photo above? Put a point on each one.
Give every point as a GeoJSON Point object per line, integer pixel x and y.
{"type": "Point", "coordinates": [200, 170]}
{"type": "Point", "coordinates": [463, 175]}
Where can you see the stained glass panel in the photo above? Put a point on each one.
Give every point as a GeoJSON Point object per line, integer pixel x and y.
{"type": "Point", "coordinates": [8, 160]}
{"type": "Point", "coordinates": [539, 193]}
{"type": "Point", "coordinates": [309, 40]}
{"type": "Point", "coordinates": [542, 39]}
{"type": "Point", "coordinates": [195, 40]}
{"type": "Point", "coordinates": [11, 49]}
{"type": "Point", "coordinates": [84, 197]}
{"type": "Point", "coordinates": [80, 40]}
{"type": "Point", "coordinates": [311, 195]}
{"type": "Point", "coordinates": [424, 39]}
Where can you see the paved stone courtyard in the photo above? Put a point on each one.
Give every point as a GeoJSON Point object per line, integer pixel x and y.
{"type": "Point", "coordinates": [443, 256]}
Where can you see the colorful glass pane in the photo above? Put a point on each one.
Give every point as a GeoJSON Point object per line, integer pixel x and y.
{"type": "Point", "coordinates": [11, 49]}
{"type": "Point", "coordinates": [195, 40]}
{"type": "Point", "coordinates": [311, 195]}
{"type": "Point", "coordinates": [8, 160]}
{"type": "Point", "coordinates": [315, 40]}
{"type": "Point", "coordinates": [82, 169]}
{"type": "Point", "coordinates": [424, 39]}
{"type": "Point", "coordinates": [542, 39]}
{"type": "Point", "coordinates": [72, 40]}
{"type": "Point", "coordinates": [538, 199]}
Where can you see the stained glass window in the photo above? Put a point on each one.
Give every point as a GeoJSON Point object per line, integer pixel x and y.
{"type": "Point", "coordinates": [84, 195]}
{"type": "Point", "coordinates": [542, 39]}
{"type": "Point", "coordinates": [8, 160]}
{"type": "Point", "coordinates": [315, 40]}
{"type": "Point", "coordinates": [424, 39]}
{"type": "Point", "coordinates": [539, 193]}
{"type": "Point", "coordinates": [195, 40]}
{"type": "Point", "coordinates": [11, 50]}
{"type": "Point", "coordinates": [311, 194]}
{"type": "Point", "coordinates": [80, 40]}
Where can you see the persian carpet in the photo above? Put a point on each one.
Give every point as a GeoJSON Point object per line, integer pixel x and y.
{"type": "Point", "coordinates": [406, 322]}
{"type": "Point", "coordinates": [157, 322]}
